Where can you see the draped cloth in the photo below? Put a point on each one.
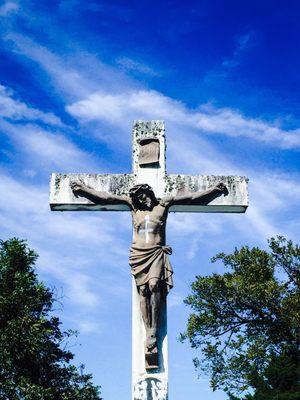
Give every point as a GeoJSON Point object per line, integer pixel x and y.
{"type": "Point", "coordinates": [151, 262]}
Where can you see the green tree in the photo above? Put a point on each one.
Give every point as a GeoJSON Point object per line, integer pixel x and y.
{"type": "Point", "coordinates": [246, 323]}
{"type": "Point", "coordinates": [34, 365]}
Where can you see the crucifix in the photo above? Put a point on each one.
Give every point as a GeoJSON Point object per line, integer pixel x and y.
{"type": "Point", "coordinates": [150, 194]}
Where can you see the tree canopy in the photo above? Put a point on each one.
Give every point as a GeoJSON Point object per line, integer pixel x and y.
{"type": "Point", "coordinates": [246, 322]}
{"type": "Point", "coordinates": [34, 364]}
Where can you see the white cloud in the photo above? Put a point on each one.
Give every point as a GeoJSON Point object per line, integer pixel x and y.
{"type": "Point", "coordinates": [142, 104]}
{"type": "Point", "coordinates": [55, 150]}
{"type": "Point", "coordinates": [16, 110]}
{"type": "Point", "coordinates": [83, 323]}
{"type": "Point", "coordinates": [131, 65]}
{"type": "Point", "coordinates": [189, 150]}
{"type": "Point", "coordinates": [120, 99]}
{"type": "Point", "coordinates": [86, 326]}
{"type": "Point", "coordinates": [46, 150]}
{"type": "Point", "coordinates": [76, 74]}
{"type": "Point", "coordinates": [8, 7]}
{"type": "Point", "coordinates": [194, 154]}
{"type": "Point", "coordinates": [129, 105]}
{"type": "Point", "coordinates": [230, 122]}
{"type": "Point", "coordinates": [79, 287]}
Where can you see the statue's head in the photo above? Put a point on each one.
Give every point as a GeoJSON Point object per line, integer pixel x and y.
{"type": "Point", "coordinates": [142, 196]}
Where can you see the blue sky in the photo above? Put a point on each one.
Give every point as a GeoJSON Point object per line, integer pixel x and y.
{"type": "Point", "coordinates": [223, 75]}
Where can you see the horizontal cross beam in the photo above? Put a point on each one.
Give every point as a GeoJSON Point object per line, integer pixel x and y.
{"type": "Point", "coordinates": [63, 199]}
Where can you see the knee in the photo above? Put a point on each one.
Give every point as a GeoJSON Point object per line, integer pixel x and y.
{"type": "Point", "coordinates": [154, 285]}
{"type": "Point", "coordinates": [143, 290]}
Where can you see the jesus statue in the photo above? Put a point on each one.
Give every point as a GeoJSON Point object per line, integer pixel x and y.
{"type": "Point", "coordinates": [148, 257]}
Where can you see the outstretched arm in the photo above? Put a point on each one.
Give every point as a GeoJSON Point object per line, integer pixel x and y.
{"type": "Point", "coordinates": [98, 197]}
{"type": "Point", "coordinates": [200, 198]}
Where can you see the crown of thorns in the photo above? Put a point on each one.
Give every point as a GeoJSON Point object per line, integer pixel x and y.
{"type": "Point", "coordinates": [139, 188]}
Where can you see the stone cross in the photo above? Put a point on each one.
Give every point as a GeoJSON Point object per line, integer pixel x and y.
{"type": "Point", "coordinates": [149, 166]}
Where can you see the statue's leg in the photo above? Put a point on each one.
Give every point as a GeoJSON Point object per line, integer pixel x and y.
{"type": "Point", "coordinates": [155, 302]}
{"type": "Point", "coordinates": [144, 295]}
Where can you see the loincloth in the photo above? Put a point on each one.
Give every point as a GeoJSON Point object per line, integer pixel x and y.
{"type": "Point", "coordinates": [151, 262]}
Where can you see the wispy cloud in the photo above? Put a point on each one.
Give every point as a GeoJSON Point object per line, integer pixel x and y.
{"type": "Point", "coordinates": [232, 123]}
{"type": "Point", "coordinates": [14, 109]}
{"type": "Point", "coordinates": [25, 210]}
{"type": "Point", "coordinates": [243, 42]}
{"type": "Point", "coordinates": [149, 104]}
{"type": "Point", "coordinates": [132, 104]}
{"type": "Point", "coordinates": [74, 75]}
{"type": "Point", "coordinates": [192, 149]}
{"type": "Point", "coordinates": [121, 100]}
{"type": "Point", "coordinates": [132, 65]}
{"type": "Point", "coordinates": [44, 150]}
{"type": "Point", "coordinates": [230, 62]}
{"type": "Point", "coordinates": [85, 323]}
{"type": "Point", "coordinates": [41, 137]}
{"type": "Point", "coordinates": [8, 7]}
{"type": "Point", "coordinates": [193, 152]}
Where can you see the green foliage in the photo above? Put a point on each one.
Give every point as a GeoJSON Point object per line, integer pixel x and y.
{"type": "Point", "coordinates": [246, 323]}
{"type": "Point", "coordinates": [34, 365]}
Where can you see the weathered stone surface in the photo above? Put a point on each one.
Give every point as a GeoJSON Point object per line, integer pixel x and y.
{"type": "Point", "coordinates": [63, 199]}
{"type": "Point", "coordinates": [236, 201]}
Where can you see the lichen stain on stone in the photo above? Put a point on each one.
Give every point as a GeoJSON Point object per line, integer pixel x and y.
{"type": "Point", "coordinates": [144, 129]}
{"type": "Point", "coordinates": [179, 184]}
{"type": "Point", "coordinates": [118, 184]}
{"type": "Point", "coordinates": [57, 182]}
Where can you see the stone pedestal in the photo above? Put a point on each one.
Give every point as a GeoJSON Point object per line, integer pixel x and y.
{"type": "Point", "coordinates": [148, 384]}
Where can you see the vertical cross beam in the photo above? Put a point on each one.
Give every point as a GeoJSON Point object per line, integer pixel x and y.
{"type": "Point", "coordinates": [149, 166]}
